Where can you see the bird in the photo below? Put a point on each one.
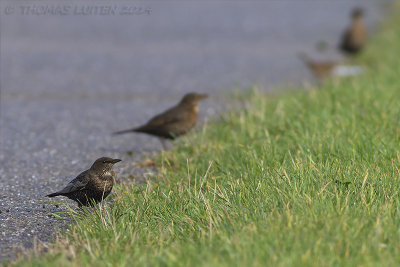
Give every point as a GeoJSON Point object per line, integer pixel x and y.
{"type": "Point", "coordinates": [325, 69]}
{"type": "Point", "coordinates": [91, 186]}
{"type": "Point", "coordinates": [321, 69]}
{"type": "Point", "coordinates": [354, 38]}
{"type": "Point", "coordinates": [173, 122]}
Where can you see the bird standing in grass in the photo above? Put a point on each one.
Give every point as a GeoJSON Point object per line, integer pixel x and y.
{"type": "Point", "coordinates": [320, 69]}
{"type": "Point", "coordinates": [92, 185]}
{"type": "Point", "coordinates": [325, 69]}
{"type": "Point", "coordinates": [175, 121]}
{"type": "Point", "coordinates": [355, 37]}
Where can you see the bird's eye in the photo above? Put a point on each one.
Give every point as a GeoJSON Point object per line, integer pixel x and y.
{"type": "Point", "coordinates": [104, 161]}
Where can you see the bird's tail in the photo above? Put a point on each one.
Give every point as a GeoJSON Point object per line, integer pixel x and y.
{"type": "Point", "coordinates": [140, 129]}
{"type": "Point", "coordinates": [53, 194]}
{"type": "Point", "coordinates": [125, 131]}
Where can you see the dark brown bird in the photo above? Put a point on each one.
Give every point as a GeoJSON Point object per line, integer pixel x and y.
{"type": "Point", "coordinates": [175, 121]}
{"type": "Point", "coordinates": [355, 37]}
{"type": "Point", "coordinates": [91, 186]}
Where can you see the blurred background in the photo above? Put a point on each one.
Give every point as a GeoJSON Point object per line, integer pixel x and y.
{"type": "Point", "coordinates": [72, 72]}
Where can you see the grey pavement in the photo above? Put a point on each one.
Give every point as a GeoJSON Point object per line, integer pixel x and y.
{"type": "Point", "coordinates": [72, 72]}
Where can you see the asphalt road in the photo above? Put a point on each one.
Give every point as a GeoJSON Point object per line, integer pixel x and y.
{"type": "Point", "coordinates": [73, 72]}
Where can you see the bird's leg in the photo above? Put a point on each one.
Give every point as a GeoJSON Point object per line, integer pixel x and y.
{"type": "Point", "coordinates": [102, 204]}
{"type": "Point", "coordinates": [163, 143]}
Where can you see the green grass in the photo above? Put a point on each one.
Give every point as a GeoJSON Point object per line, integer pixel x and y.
{"type": "Point", "coordinates": [265, 185]}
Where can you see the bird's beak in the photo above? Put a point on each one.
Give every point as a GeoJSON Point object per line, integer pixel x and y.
{"type": "Point", "coordinates": [115, 161]}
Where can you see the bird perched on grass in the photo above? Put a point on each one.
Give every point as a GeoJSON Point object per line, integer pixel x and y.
{"type": "Point", "coordinates": [175, 121]}
{"type": "Point", "coordinates": [92, 185]}
{"type": "Point", "coordinates": [355, 37]}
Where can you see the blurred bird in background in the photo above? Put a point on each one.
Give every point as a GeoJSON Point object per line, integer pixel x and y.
{"type": "Point", "coordinates": [355, 37]}
{"type": "Point", "coordinates": [324, 69]}
{"type": "Point", "coordinates": [174, 122]}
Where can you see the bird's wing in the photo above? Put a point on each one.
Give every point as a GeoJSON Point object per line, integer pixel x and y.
{"type": "Point", "coordinates": [76, 184]}
{"type": "Point", "coordinates": [172, 115]}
